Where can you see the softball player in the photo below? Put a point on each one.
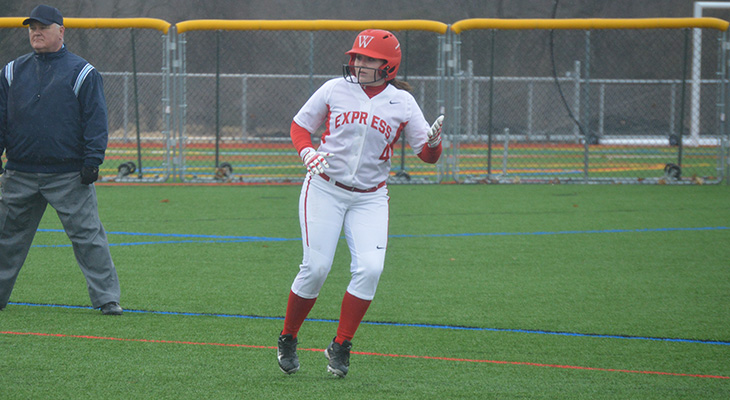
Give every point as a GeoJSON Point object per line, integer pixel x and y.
{"type": "Point", "coordinates": [365, 113]}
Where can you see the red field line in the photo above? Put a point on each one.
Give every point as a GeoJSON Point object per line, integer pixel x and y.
{"type": "Point", "coordinates": [461, 360]}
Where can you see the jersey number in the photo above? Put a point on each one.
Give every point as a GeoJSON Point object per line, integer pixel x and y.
{"type": "Point", "coordinates": [387, 153]}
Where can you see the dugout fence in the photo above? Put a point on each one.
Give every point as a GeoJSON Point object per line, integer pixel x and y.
{"type": "Point", "coordinates": [526, 101]}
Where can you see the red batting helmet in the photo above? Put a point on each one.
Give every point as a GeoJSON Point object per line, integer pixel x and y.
{"type": "Point", "coordinates": [380, 44]}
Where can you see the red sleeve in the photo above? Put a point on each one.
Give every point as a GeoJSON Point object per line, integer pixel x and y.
{"type": "Point", "coordinates": [300, 137]}
{"type": "Point", "coordinates": [430, 155]}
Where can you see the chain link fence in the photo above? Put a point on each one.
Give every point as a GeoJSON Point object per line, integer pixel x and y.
{"type": "Point", "coordinates": [242, 82]}
{"type": "Point", "coordinates": [131, 56]}
{"type": "Point", "coordinates": [526, 101]}
{"type": "Point", "coordinates": [589, 101]}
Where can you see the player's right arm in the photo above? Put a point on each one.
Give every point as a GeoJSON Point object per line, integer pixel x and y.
{"type": "Point", "coordinates": [316, 110]}
{"type": "Point", "coordinates": [309, 118]}
{"type": "Point", "coordinates": [314, 160]}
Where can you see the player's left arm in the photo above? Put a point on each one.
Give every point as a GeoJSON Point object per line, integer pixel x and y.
{"type": "Point", "coordinates": [431, 151]}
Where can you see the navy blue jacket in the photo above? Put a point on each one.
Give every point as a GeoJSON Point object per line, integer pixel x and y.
{"type": "Point", "coordinates": [53, 115]}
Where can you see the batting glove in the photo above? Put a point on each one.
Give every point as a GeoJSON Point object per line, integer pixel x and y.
{"type": "Point", "coordinates": [434, 134]}
{"type": "Point", "coordinates": [314, 161]}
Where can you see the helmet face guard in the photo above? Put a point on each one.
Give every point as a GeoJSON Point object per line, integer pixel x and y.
{"type": "Point", "coordinates": [374, 43]}
{"type": "Point", "coordinates": [352, 73]}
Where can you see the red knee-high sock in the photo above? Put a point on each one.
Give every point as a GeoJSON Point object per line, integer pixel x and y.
{"type": "Point", "coordinates": [351, 314]}
{"type": "Point", "coordinates": [297, 309]}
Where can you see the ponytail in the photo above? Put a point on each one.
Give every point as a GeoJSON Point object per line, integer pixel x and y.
{"type": "Point", "coordinates": [402, 85]}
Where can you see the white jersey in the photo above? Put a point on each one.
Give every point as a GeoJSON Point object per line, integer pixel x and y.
{"type": "Point", "coordinates": [361, 132]}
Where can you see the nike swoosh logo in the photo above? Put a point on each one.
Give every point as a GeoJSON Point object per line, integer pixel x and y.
{"type": "Point", "coordinates": [379, 247]}
{"type": "Point", "coordinates": [394, 102]}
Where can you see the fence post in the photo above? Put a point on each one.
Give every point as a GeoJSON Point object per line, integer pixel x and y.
{"type": "Point", "coordinates": [457, 76]}
{"type": "Point", "coordinates": [244, 106]}
{"type": "Point", "coordinates": [584, 116]}
{"type": "Point", "coordinates": [217, 96]}
{"type": "Point", "coordinates": [673, 115]}
{"type": "Point", "coordinates": [312, 88]}
{"type": "Point", "coordinates": [530, 106]}
{"type": "Point", "coordinates": [126, 107]}
{"type": "Point", "coordinates": [181, 104]}
{"type": "Point", "coordinates": [505, 151]}
{"type": "Point", "coordinates": [601, 110]}
{"type": "Point", "coordinates": [470, 98]}
{"type": "Point", "coordinates": [682, 97]}
{"type": "Point", "coordinates": [444, 48]}
{"type": "Point", "coordinates": [402, 173]}
{"type": "Point", "coordinates": [168, 43]}
{"type": "Point", "coordinates": [490, 124]}
{"type": "Point", "coordinates": [136, 106]}
{"type": "Point", "coordinates": [724, 71]}
{"type": "Point", "coordinates": [576, 99]}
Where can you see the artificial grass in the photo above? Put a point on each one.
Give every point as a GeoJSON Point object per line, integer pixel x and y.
{"type": "Point", "coordinates": [489, 291]}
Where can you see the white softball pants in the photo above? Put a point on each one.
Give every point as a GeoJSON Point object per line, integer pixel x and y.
{"type": "Point", "coordinates": [324, 209]}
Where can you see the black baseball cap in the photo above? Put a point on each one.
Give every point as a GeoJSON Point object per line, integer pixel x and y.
{"type": "Point", "coordinates": [46, 15]}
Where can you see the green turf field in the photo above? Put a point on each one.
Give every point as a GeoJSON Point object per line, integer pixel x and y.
{"type": "Point", "coordinates": [489, 292]}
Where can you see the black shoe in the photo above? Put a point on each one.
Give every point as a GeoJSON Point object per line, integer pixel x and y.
{"type": "Point", "coordinates": [339, 357]}
{"type": "Point", "coordinates": [287, 354]}
{"type": "Point", "coordinates": [111, 308]}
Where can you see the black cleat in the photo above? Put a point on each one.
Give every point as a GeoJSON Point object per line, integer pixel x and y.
{"type": "Point", "coordinates": [339, 357]}
{"type": "Point", "coordinates": [111, 308]}
{"type": "Point", "coordinates": [287, 354]}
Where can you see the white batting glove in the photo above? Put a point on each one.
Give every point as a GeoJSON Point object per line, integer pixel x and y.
{"type": "Point", "coordinates": [314, 161]}
{"type": "Point", "coordinates": [434, 134]}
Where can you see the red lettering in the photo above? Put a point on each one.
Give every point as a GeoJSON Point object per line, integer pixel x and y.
{"type": "Point", "coordinates": [374, 124]}
{"type": "Point", "coordinates": [384, 128]}
{"type": "Point", "coordinates": [385, 155]}
{"type": "Point", "coordinates": [355, 116]}
{"type": "Point", "coordinates": [363, 118]}
{"type": "Point", "coordinates": [337, 121]}
{"type": "Point", "coordinates": [345, 116]}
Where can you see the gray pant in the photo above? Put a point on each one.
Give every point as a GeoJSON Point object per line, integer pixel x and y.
{"type": "Point", "coordinates": [24, 200]}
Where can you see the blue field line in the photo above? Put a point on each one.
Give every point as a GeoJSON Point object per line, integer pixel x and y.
{"type": "Point", "coordinates": [642, 230]}
{"type": "Point", "coordinates": [166, 242]}
{"type": "Point", "coordinates": [179, 235]}
{"type": "Point", "coordinates": [398, 324]}
{"type": "Point", "coordinates": [192, 238]}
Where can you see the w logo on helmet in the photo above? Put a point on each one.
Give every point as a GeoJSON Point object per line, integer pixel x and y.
{"type": "Point", "coordinates": [364, 41]}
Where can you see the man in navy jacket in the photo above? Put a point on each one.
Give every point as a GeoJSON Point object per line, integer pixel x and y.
{"type": "Point", "coordinates": [53, 129]}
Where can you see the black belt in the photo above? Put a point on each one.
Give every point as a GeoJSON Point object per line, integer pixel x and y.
{"type": "Point", "coordinates": [353, 189]}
